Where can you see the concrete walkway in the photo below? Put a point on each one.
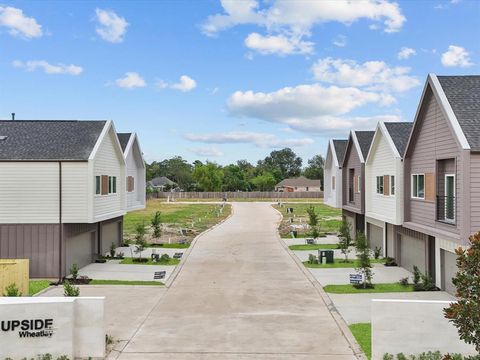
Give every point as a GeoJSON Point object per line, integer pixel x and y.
{"type": "Point", "coordinates": [240, 295]}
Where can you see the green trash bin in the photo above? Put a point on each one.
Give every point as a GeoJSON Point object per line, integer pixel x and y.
{"type": "Point", "coordinates": [327, 254]}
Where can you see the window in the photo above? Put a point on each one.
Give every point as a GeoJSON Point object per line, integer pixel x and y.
{"type": "Point", "coordinates": [450, 197]}
{"type": "Point", "coordinates": [380, 185]}
{"type": "Point", "coordinates": [351, 179]}
{"type": "Point", "coordinates": [112, 184]}
{"type": "Point", "coordinates": [97, 185]}
{"type": "Point", "coordinates": [307, 188]}
{"type": "Point", "coordinates": [392, 185]}
{"type": "Point", "coordinates": [418, 186]}
{"type": "Point", "coordinates": [358, 184]}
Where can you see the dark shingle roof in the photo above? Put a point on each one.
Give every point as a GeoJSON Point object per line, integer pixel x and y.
{"type": "Point", "coordinates": [399, 132]}
{"type": "Point", "coordinates": [48, 140]}
{"type": "Point", "coordinates": [123, 138]}
{"type": "Point", "coordinates": [340, 147]}
{"type": "Point", "coordinates": [161, 181]}
{"type": "Point", "coordinates": [364, 140]}
{"type": "Point", "coordinates": [463, 94]}
{"type": "Point", "coordinates": [299, 181]}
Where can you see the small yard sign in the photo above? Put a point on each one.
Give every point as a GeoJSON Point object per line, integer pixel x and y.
{"type": "Point", "coordinates": [356, 279]}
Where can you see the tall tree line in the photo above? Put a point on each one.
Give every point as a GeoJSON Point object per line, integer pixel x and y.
{"type": "Point", "coordinates": [240, 176]}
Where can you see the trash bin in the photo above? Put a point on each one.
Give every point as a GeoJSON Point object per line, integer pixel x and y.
{"type": "Point", "coordinates": [294, 233]}
{"type": "Point", "coordinates": [327, 254]}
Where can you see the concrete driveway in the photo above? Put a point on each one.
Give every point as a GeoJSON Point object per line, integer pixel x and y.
{"type": "Point", "coordinates": [240, 295]}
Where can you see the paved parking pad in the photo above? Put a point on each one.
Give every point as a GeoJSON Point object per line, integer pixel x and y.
{"type": "Point", "coordinates": [113, 270]}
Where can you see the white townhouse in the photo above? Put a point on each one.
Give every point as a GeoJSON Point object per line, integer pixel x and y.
{"type": "Point", "coordinates": [62, 193]}
{"type": "Point", "coordinates": [332, 188]}
{"type": "Point", "coordinates": [384, 190]}
{"type": "Point", "coordinates": [135, 181]}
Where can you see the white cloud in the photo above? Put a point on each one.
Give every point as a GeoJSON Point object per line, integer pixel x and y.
{"type": "Point", "coordinates": [405, 53]}
{"type": "Point", "coordinates": [278, 44]}
{"type": "Point", "coordinates": [244, 137]}
{"type": "Point", "coordinates": [131, 80]}
{"type": "Point", "coordinates": [185, 83]}
{"type": "Point", "coordinates": [456, 56]}
{"type": "Point", "coordinates": [18, 24]}
{"type": "Point", "coordinates": [111, 28]}
{"type": "Point", "coordinates": [208, 151]}
{"type": "Point", "coordinates": [375, 75]}
{"type": "Point", "coordinates": [340, 41]}
{"type": "Point", "coordinates": [48, 68]}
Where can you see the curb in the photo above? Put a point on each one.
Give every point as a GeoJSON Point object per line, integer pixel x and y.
{"type": "Point", "coordinates": [179, 267]}
{"type": "Point", "coordinates": [357, 350]}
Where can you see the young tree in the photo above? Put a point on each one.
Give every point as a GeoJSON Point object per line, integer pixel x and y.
{"type": "Point", "coordinates": [465, 313]}
{"type": "Point", "coordinates": [156, 224]}
{"type": "Point", "coordinates": [140, 241]}
{"type": "Point", "coordinates": [345, 239]}
{"type": "Point", "coordinates": [363, 255]}
{"type": "Point", "coordinates": [313, 222]}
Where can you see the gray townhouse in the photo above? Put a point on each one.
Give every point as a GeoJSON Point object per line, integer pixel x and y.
{"type": "Point", "coordinates": [353, 179]}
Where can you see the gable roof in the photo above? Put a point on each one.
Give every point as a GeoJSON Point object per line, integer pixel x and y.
{"type": "Point", "coordinates": [124, 138]}
{"type": "Point", "coordinates": [399, 133]}
{"type": "Point", "coordinates": [299, 181]}
{"type": "Point", "coordinates": [49, 139]}
{"type": "Point", "coordinates": [463, 94]}
{"type": "Point", "coordinates": [340, 146]}
{"type": "Point", "coordinates": [364, 141]}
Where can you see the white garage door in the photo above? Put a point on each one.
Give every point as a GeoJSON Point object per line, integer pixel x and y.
{"type": "Point", "coordinates": [449, 269]}
{"type": "Point", "coordinates": [412, 252]}
{"type": "Point", "coordinates": [110, 234]}
{"type": "Point", "coordinates": [80, 250]}
{"type": "Point", "coordinates": [375, 236]}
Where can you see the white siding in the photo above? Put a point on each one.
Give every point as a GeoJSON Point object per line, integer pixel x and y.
{"type": "Point", "coordinates": [109, 161]}
{"type": "Point", "coordinates": [381, 162]}
{"type": "Point", "coordinates": [29, 192]}
{"type": "Point", "coordinates": [135, 168]}
{"type": "Point", "coordinates": [75, 192]}
{"type": "Point", "coordinates": [332, 197]}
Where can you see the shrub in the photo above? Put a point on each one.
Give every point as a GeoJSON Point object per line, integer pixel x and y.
{"type": "Point", "coordinates": [164, 258]}
{"type": "Point", "coordinates": [363, 255]}
{"type": "Point", "coordinates": [430, 356]}
{"type": "Point", "coordinates": [70, 290]}
{"type": "Point", "coordinates": [345, 239]}
{"type": "Point", "coordinates": [74, 272]}
{"type": "Point", "coordinates": [312, 259]}
{"type": "Point", "coordinates": [422, 282]}
{"type": "Point", "coordinates": [108, 339]}
{"type": "Point", "coordinates": [112, 249]}
{"type": "Point", "coordinates": [377, 251]}
{"type": "Point", "coordinates": [156, 224]}
{"type": "Point", "coordinates": [389, 261]}
{"type": "Point", "coordinates": [417, 275]}
{"type": "Point", "coordinates": [465, 313]}
{"type": "Point", "coordinates": [12, 290]}
{"type": "Point", "coordinates": [403, 281]}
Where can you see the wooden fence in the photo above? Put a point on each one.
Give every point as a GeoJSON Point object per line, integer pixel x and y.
{"type": "Point", "coordinates": [14, 271]}
{"type": "Point", "coordinates": [238, 195]}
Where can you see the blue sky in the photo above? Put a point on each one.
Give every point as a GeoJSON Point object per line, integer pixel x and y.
{"type": "Point", "coordinates": [233, 79]}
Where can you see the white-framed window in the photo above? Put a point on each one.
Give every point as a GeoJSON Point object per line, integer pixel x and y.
{"type": "Point", "coordinates": [449, 197]}
{"type": "Point", "coordinates": [112, 184]}
{"type": "Point", "coordinates": [418, 186]}
{"type": "Point", "coordinates": [98, 185]}
{"type": "Point", "coordinates": [358, 184]}
{"type": "Point", "coordinates": [380, 185]}
{"type": "Point", "coordinates": [392, 184]}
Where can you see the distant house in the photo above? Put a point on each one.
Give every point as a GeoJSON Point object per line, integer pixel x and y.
{"type": "Point", "coordinates": [72, 211]}
{"type": "Point", "coordinates": [161, 183]}
{"type": "Point", "coordinates": [298, 184]}
{"type": "Point", "coordinates": [135, 172]}
{"type": "Point", "coordinates": [333, 172]}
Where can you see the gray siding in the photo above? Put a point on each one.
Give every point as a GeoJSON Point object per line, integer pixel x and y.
{"type": "Point", "coordinates": [352, 161]}
{"type": "Point", "coordinates": [40, 243]}
{"type": "Point", "coordinates": [475, 193]}
{"type": "Point", "coordinates": [432, 140]}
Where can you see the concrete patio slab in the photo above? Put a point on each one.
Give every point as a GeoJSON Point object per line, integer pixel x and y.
{"type": "Point", "coordinates": [129, 251]}
{"type": "Point", "coordinates": [356, 308]}
{"type": "Point", "coordinates": [113, 270]}
{"type": "Point", "coordinates": [126, 307]}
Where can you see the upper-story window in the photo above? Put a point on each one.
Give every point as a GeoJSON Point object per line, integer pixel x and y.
{"type": "Point", "coordinates": [98, 185]}
{"type": "Point", "coordinates": [418, 186]}
{"type": "Point", "coordinates": [380, 185]}
{"type": "Point", "coordinates": [112, 184]}
{"type": "Point", "coordinates": [359, 184]}
{"type": "Point", "coordinates": [392, 185]}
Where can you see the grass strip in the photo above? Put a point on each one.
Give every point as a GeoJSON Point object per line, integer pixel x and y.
{"type": "Point", "coordinates": [378, 288]}
{"type": "Point", "coordinates": [340, 263]}
{"type": "Point", "coordinates": [35, 286]}
{"type": "Point", "coordinates": [169, 246]}
{"type": "Point", "coordinates": [125, 282]}
{"type": "Point", "coordinates": [363, 334]}
{"type": "Point", "coordinates": [313, 247]}
{"type": "Point", "coordinates": [129, 261]}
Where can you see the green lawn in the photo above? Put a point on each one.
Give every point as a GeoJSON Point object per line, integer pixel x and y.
{"type": "Point", "coordinates": [124, 282]}
{"type": "Point", "coordinates": [363, 335]}
{"type": "Point", "coordinates": [327, 215]}
{"type": "Point", "coordinates": [313, 247]}
{"type": "Point", "coordinates": [169, 246]}
{"type": "Point", "coordinates": [339, 263]}
{"type": "Point", "coordinates": [129, 261]}
{"type": "Point", "coordinates": [379, 288]}
{"type": "Point", "coordinates": [35, 286]}
{"type": "Point", "coordinates": [204, 216]}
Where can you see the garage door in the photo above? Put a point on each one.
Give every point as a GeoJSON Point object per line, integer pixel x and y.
{"type": "Point", "coordinates": [412, 252]}
{"type": "Point", "coordinates": [351, 221]}
{"type": "Point", "coordinates": [80, 250]}
{"type": "Point", "coordinates": [449, 269]}
{"type": "Point", "coordinates": [110, 234]}
{"type": "Point", "coordinates": [375, 236]}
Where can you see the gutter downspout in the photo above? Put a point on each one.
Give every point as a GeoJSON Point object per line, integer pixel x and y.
{"type": "Point", "coordinates": [60, 224]}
